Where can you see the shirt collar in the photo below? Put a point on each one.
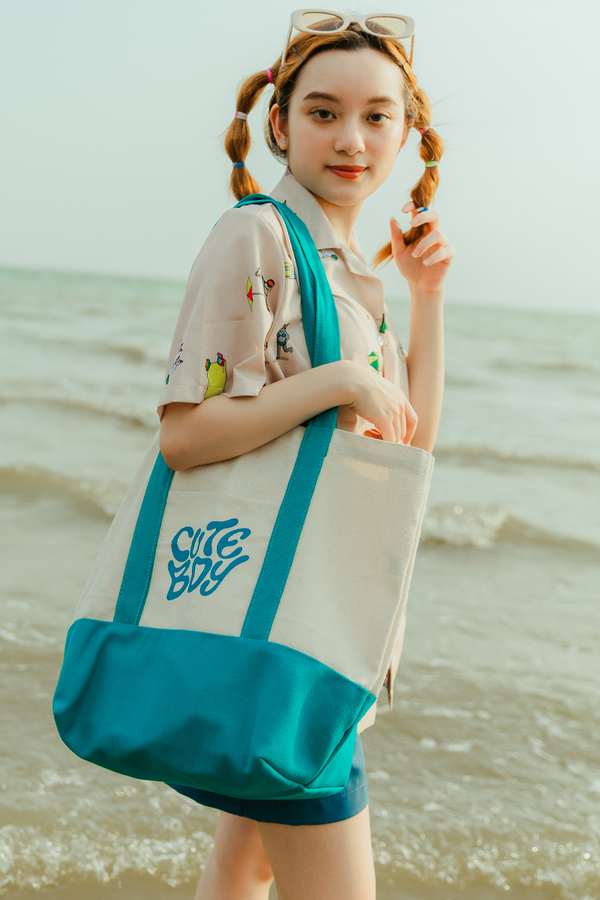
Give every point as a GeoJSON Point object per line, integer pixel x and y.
{"type": "Point", "coordinates": [305, 205]}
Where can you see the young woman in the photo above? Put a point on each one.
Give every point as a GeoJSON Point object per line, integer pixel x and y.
{"type": "Point", "coordinates": [240, 374]}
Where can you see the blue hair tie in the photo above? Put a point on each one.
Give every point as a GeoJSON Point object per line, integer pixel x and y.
{"type": "Point", "coordinates": [239, 164]}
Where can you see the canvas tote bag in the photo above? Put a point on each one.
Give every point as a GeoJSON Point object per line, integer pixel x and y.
{"type": "Point", "coordinates": [240, 618]}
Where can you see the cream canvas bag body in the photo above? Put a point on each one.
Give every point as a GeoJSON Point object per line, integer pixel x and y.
{"type": "Point", "coordinates": [241, 616]}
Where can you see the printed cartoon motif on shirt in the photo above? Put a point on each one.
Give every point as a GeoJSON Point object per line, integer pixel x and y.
{"type": "Point", "coordinates": [268, 285]}
{"type": "Point", "coordinates": [217, 376]}
{"type": "Point", "coordinates": [326, 254]}
{"type": "Point", "coordinates": [374, 360]}
{"type": "Point", "coordinates": [380, 337]}
{"type": "Point", "coordinates": [177, 362]}
{"type": "Point", "coordinates": [249, 293]}
{"type": "Point", "coordinates": [289, 270]}
{"type": "Point", "coordinates": [283, 337]}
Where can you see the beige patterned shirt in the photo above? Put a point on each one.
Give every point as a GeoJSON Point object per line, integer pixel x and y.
{"type": "Point", "coordinates": [240, 325]}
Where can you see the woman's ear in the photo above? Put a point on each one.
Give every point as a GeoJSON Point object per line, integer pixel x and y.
{"type": "Point", "coordinates": [278, 125]}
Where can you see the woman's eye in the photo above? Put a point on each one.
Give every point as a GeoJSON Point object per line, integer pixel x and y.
{"type": "Point", "coordinates": [325, 115]}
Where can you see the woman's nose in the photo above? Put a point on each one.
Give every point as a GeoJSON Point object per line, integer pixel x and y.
{"type": "Point", "coordinates": [349, 140]}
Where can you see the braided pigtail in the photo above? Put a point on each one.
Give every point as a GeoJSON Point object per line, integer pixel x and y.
{"type": "Point", "coordinates": [237, 138]}
{"type": "Point", "coordinates": [431, 149]}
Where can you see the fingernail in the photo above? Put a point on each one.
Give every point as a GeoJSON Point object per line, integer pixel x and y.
{"type": "Point", "coordinates": [426, 262]}
{"type": "Point", "coordinates": [415, 253]}
{"type": "Point", "coordinates": [406, 207]}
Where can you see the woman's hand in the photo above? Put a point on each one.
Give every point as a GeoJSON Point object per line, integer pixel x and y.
{"type": "Point", "coordinates": [425, 263]}
{"type": "Point", "coordinates": [379, 401]}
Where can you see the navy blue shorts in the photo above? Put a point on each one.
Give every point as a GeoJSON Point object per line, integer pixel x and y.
{"type": "Point", "coordinates": [344, 805]}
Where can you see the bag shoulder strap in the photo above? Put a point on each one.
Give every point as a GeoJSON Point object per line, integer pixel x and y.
{"type": "Point", "coordinates": [319, 315]}
{"type": "Point", "coordinates": [321, 328]}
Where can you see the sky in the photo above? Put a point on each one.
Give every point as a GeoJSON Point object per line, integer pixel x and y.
{"type": "Point", "coordinates": [113, 113]}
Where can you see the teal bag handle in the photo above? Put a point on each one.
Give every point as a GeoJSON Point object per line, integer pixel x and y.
{"type": "Point", "coordinates": [319, 315]}
{"type": "Point", "coordinates": [321, 329]}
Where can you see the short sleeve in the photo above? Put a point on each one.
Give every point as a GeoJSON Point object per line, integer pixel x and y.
{"type": "Point", "coordinates": [228, 309]}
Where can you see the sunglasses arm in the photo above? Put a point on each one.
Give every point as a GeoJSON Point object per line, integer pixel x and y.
{"type": "Point", "coordinates": [412, 45]}
{"type": "Point", "coordinates": [285, 46]}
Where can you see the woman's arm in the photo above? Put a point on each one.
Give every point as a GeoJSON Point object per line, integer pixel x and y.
{"type": "Point", "coordinates": [425, 362]}
{"type": "Point", "coordinates": [223, 427]}
{"type": "Point", "coordinates": [425, 265]}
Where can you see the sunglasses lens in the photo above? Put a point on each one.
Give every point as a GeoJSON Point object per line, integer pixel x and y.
{"type": "Point", "coordinates": [391, 25]}
{"type": "Point", "coordinates": [318, 21]}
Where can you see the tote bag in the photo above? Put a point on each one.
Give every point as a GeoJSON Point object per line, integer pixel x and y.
{"type": "Point", "coordinates": [240, 618]}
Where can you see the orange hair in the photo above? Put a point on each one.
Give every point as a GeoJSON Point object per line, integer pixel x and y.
{"type": "Point", "coordinates": [417, 109]}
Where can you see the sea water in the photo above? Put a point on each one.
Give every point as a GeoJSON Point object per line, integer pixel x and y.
{"type": "Point", "coordinates": [485, 778]}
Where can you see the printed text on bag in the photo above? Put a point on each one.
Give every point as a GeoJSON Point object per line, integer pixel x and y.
{"type": "Point", "coordinates": [193, 566]}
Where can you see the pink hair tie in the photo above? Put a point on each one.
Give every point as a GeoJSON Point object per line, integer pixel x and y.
{"type": "Point", "coordinates": [423, 130]}
{"type": "Point", "coordinates": [240, 115]}
{"type": "Point", "coordinates": [269, 76]}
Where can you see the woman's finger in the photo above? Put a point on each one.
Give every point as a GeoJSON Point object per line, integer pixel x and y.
{"type": "Point", "coordinates": [401, 415]}
{"type": "Point", "coordinates": [430, 240]}
{"type": "Point", "coordinates": [408, 207]}
{"type": "Point", "coordinates": [387, 431]}
{"type": "Point", "coordinates": [411, 423]}
{"type": "Point", "coordinates": [426, 217]}
{"type": "Point", "coordinates": [441, 255]}
{"type": "Point", "coordinates": [401, 430]}
{"type": "Point", "coordinates": [397, 236]}
{"type": "Point", "coordinates": [391, 427]}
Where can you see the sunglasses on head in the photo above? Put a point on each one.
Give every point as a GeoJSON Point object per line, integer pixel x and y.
{"type": "Point", "coordinates": [324, 21]}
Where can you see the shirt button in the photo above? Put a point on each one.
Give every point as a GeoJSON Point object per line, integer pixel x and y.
{"type": "Point", "coordinates": [380, 340]}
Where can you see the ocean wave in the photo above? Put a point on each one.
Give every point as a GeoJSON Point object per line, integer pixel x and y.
{"type": "Point", "coordinates": [467, 858]}
{"type": "Point", "coordinates": [102, 406]}
{"type": "Point", "coordinates": [28, 637]}
{"type": "Point", "coordinates": [134, 351]}
{"type": "Point", "coordinates": [33, 859]}
{"type": "Point", "coordinates": [102, 496]}
{"type": "Point", "coordinates": [462, 526]}
{"type": "Point", "coordinates": [480, 451]}
{"type": "Point", "coordinates": [453, 525]}
{"type": "Point", "coordinates": [29, 858]}
{"type": "Point", "coordinates": [150, 351]}
{"type": "Point", "coordinates": [545, 365]}
{"type": "Point", "coordinates": [485, 526]}
{"type": "Point", "coordinates": [157, 356]}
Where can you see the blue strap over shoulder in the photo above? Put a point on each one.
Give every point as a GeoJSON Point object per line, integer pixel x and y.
{"type": "Point", "coordinates": [321, 329]}
{"type": "Point", "coordinates": [319, 315]}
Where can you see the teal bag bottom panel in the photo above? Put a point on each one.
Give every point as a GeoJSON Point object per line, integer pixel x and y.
{"type": "Point", "coordinates": [245, 718]}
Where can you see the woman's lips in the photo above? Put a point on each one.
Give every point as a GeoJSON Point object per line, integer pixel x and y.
{"type": "Point", "coordinates": [352, 172]}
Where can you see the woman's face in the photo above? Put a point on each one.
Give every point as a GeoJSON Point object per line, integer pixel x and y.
{"type": "Point", "coordinates": [345, 124]}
